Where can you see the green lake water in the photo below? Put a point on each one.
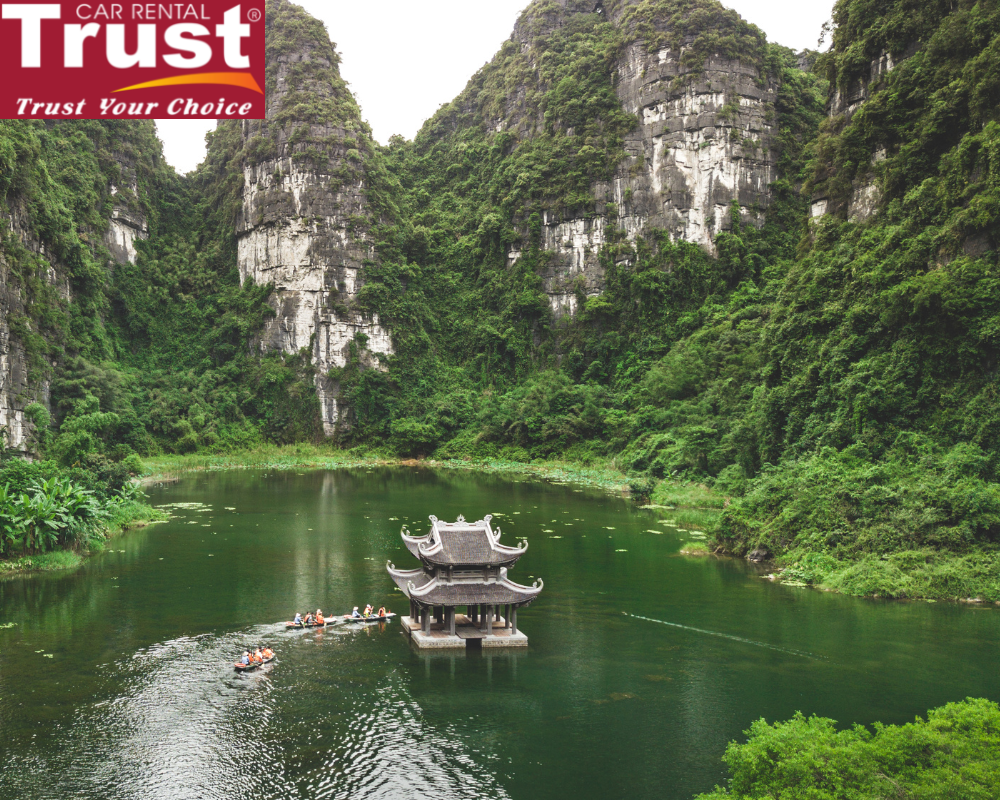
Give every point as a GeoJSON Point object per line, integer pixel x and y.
{"type": "Point", "coordinates": [116, 681]}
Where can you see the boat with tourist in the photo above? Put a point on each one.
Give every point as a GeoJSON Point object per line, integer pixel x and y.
{"type": "Point", "coordinates": [316, 620]}
{"type": "Point", "coordinates": [254, 660]}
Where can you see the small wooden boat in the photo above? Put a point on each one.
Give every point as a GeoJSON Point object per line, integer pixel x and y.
{"type": "Point", "coordinates": [323, 624]}
{"type": "Point", "coordinates": [367, 620]}
{"type": "Point", "coordinates": [252, 665]}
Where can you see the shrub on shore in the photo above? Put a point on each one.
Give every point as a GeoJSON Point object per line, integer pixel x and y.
{"type": "Point", "coordinates": [955, 752]}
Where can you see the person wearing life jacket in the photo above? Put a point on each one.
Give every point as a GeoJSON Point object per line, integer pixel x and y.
{"type": "Point", "coordinates": [319, 617]}
{"type": "Point", "coordinates": [298, 619]}
{"type": "Point", "coordinates": [258, 656]}
{"type": "Point", "coordinates": [381, 612]}
{"type": "Point", "coordinates": [355, 614]}
{"type": "Point", "coordinates": [268, 652]}
{"type": "Point", "coordinates": [368, 611]}
{"type": "Point", "coordinates": [309, 619]}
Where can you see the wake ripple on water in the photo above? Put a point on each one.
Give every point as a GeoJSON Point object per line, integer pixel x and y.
{"type": "Point", "coordinates": [178, 722]}
{"type": "Point", "coordinates": [729, 636]}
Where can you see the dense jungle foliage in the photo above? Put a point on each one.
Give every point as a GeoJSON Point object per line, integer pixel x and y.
{"type": "Point", "coordinates": [833, 379]}
{"type": "Point", "coordinates": [955, 752]}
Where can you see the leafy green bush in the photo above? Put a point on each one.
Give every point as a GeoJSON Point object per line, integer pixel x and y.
{"type": "Point", "coordinates": [955, 752]}
{"type": "Point", "coordinates": [50, 513]}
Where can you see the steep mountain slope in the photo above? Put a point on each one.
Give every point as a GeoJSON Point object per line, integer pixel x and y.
{"type": "Point", "coordinates": [641, 233]}
{"type": "Point", "coordinates": [880, 378]}
{"type": "Point", "coordinates": [75, 201]}
{"type": "Point", "coordinates": [305, 218]}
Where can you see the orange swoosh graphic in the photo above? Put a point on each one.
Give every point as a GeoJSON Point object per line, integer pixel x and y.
{"type": "Point", "coordinates": [243, 79]}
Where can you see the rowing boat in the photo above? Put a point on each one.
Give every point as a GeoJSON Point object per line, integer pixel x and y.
{"type": "Point", "coordinates": [252, 665]}
{"type": "Point", "coordinates": [291, 625]}
{"type": "Point", "coordinates": [367, 620]}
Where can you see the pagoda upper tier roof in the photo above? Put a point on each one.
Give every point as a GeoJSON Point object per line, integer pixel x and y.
{"type": "Point", "coordinates": [438, 590]}
{"type": "Point", "coordinates": [461, 543]}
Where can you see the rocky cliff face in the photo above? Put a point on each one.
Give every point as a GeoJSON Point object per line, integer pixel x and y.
{"type": "Point", "coordinates": [303, 225]}
{"type": "Point", "coordinates": [21, 382]}
{"type": "Point", "coordinates": [699, 146]}
{"type": "Point", "coordinates": [128, 223]}
{"type": "Point", "coordinates": [865, 196]}
{"type": "Point", "coordinates": [704, 138]}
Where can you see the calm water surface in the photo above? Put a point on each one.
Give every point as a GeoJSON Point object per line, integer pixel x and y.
{"type": "Point", "coordinates": [116, 681]}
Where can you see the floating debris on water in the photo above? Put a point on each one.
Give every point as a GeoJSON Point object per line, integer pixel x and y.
{"type": "Point", "coordinates": [7, 625]}
{"type": "Point", "coordinates": [621, 551]}
{"type": "Point", "coordinates": [555, 537]}
{"type": "Point", "coordinates": [608, 528]}
{"type": "Point", "coordinates": [548, 530]}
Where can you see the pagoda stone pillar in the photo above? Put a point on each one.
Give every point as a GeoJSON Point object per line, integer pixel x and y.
{"type": "Point", "coordinates": [513, 620]}
{"type": "Point", "coordinates": [451, 621]}
{"type": "Point", "coordinates": [489, 620]}
{"type": "Point", "coordinates": [506, 616]}
{"type": "Point", "coordinates": [427, 620]}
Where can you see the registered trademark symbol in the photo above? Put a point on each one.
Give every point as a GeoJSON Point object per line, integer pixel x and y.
{"type": "Point", "coordinates": [254, 15]}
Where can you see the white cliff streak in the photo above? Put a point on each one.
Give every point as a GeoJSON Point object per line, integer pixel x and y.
{"type": "Point", "coordinates": [703, 142]}
{"type": "Point", "coordinates": [295, 235]}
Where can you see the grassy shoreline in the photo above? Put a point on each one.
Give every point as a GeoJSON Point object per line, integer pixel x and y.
{"type": "Point", "coordinates": [937, 575]}
{"type": "Point", "coordinates": [602, 476]}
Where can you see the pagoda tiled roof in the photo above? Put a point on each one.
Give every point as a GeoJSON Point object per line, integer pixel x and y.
{"type": "Point", "coordinates": [439, 590]}
{"type": "Point", "coordinates": [462, 543]}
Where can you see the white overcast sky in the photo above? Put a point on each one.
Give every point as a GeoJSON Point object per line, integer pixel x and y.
{"type": "Point", "coordinates": [404, 59]}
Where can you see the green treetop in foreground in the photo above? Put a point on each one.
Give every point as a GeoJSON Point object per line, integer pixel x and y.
{"type": "Point", "coordinates": [955, 753]}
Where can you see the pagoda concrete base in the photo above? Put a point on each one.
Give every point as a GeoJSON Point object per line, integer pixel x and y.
{"type": "Point", "coordinates": [439, 638]}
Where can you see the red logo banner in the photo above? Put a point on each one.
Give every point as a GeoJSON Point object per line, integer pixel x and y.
{"type": "Point", "coordinates": [96, 60]}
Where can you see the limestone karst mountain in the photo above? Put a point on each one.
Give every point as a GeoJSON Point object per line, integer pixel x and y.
{"type": "Point", "coordinates": [640, 233]}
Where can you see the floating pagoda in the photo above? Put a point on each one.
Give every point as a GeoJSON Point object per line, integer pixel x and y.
{"type": "Point", "coordinates": [463, 566]}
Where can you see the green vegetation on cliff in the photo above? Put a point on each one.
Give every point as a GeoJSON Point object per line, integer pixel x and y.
{"type": "Point", "coordinates": [831, 380]}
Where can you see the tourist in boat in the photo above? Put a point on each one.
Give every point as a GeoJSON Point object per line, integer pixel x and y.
{"type": "Point", "coordinates": [309, 619]}
{"type": "Point", "coordinates": [381, 612]}
{"type": "Point", "coordinates": [298, 619]}
{"type": "Point", "coordinates": [246, 658]}
{"type": "Point", "coordinates": [258, 656]}
{"type": "Point", "coordinates": [355, 613]}
{"type": "Point", "coordinates": [319, 617]}
{"type": "Point", "coordinates": [268, 652]}
{"type": "Point", "coordinates": [368, 611]}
